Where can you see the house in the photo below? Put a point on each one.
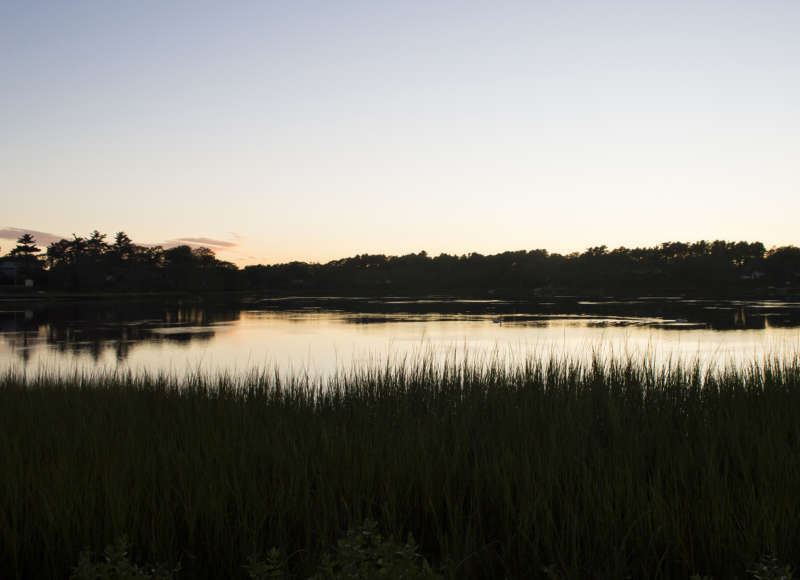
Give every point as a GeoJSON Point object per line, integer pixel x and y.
{"type": "Point", "coordinates": [9, 270]}
{"type": "Point", "coordinates": [754, 275]}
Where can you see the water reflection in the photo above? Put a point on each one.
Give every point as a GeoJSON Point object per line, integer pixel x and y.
{"type": "Point", "coordinates": [328, 332]}
{"type": "Point", "coordinates": [97, 329]}
{"type": "Point", "coordinates": [666, 312]}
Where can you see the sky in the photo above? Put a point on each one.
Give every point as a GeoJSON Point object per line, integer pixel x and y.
{"type": "Point", "coordinates": [299, 130]}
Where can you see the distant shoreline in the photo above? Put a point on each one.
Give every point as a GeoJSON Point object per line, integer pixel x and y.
{"type": "Point", "coordinates": [40, 296]}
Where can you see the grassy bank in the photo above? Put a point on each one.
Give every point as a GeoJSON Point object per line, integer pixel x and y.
{"type": "Point", "coordinates": [609, 470]}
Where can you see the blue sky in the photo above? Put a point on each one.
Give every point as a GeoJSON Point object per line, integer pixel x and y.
{"type": "Point", "coordinates": [317, 130]}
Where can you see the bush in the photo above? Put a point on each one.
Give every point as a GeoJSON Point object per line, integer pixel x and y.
{"type": "Point", "coordinates": [116, 565]}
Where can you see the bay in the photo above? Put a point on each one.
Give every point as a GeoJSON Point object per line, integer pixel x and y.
{"type": "Point", "coordinates": [320, 336]}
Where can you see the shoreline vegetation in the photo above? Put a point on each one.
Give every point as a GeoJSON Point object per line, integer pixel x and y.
{"type": "Point", "coordinates": [711, 269]}
{"type": "Point", "coordinates": [550, 468]}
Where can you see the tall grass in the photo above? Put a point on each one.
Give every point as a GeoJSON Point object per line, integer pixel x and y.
{"type": "Point", "coordinates": [609, 469]}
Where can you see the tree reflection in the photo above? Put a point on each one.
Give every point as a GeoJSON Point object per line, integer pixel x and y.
{"type": "Point", "coordinates": [97, 329]}
{"type": "Point", "coordinates": [113, 330]}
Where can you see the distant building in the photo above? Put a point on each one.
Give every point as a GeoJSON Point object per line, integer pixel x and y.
{"type": "Point", "coordinates": [9, 270]}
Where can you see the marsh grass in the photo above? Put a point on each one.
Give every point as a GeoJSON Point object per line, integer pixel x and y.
{"type": "Point", "coordinates": [547, 468]}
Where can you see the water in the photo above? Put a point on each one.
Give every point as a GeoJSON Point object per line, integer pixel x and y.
{"type": "Point", "coordinates": [319, 336]}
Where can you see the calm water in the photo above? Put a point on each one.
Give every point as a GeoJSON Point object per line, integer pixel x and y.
{"type": "Point", "coordinates": [318, 336]}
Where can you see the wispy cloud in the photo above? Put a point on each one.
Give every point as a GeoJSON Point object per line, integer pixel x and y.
{"type": "Point", "coordinates": [42, 238]}
{"type": "Point", "coordinates": [200, 242]}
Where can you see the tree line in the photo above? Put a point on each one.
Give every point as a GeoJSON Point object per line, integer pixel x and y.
{"type": "Point", "coordinates": [702, 268]}
{"type": "Point", "coordinates": [94, 263]}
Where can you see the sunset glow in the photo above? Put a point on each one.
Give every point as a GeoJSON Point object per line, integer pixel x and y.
{"type": "Point", "coordinates": [278, 131]}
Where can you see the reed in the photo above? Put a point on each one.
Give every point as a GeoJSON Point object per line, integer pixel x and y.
{"type": "Point", "coordinates": [548, 467]}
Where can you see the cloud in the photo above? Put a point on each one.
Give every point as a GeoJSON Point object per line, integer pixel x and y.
{"type": "Point", "coordinates": [200, 242]}
{"type": "Point", "coordinates": [42, 238]}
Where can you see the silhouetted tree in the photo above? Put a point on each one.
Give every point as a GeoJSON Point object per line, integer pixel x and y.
{"type": "Point", "coordinates": [701, 268]}
{"type": "Point", "coordinates": [96, 245]}
{"type": "Point", "coordinates": [783, 264]}
{"type": "Point", "coordinates": [26, 247]}
{"type": "Point", "coordinates": [26, 255]}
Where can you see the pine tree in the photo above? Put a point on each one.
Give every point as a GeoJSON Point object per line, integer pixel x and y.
{"type": "Point", "coordinates": [26, 247]}
{"type": "Point", "coordinates": [26, 253]}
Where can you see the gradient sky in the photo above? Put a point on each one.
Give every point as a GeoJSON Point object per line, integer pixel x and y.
{"type": "Point", "coordinates": [318, 130]}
